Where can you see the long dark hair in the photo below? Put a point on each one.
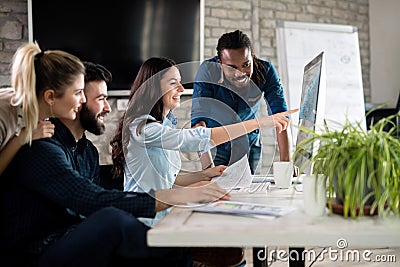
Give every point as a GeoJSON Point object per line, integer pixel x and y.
{"type": "Point", "coordinates": [236, 40]}
{"type": "Point", "coordinates": [145, 99]}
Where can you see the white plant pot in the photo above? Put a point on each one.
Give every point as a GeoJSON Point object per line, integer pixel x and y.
{"type": "Point", "coordinates": [314, 191]}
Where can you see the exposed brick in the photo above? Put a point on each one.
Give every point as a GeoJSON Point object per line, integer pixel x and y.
{"type": "Point", "coordinates": [4, 80]}
{"type": "Point", "coordinates": [342, 5]}
{"type": "Point", "coordinates": [237, 14]}
{"type": "Point", "coordinates": [294, 8]}
{"type": "Point", "coordinates": [288, 1]}
{"type": "Point", "coordinates": [239, 5]}
{"type": "Point", "coordinates": [5, 69]}
{"type": "Point", "coordinates": [11, 30]}
{"type": "Point", "coordinates": [4, 8]}
{"type": "Point", "coordinates": [266, 42]}
{"type": "Point", "coordinates": [211, 41]}
{"type": "Point", "coordinates": [363, 35]}
{"type": "Point", "coordinates": [207, 32]}
{"type": "Point", "coordinates": [13, 45]}
{"type": "Point", "coordinates": [212, 22]}
{"type": "Point", "coordinates": [267, 14]}
{"type": "Point", "coordinates": [285, 15]}
{"type": "Point", "coordinates": [306, 17]}
{"type": "Point", "coordinates": [363, 10]}
{"type": "Point", "coordinates": [217, 32]}
{"type": "Point", "coordinates": [22, 18]}
{"type": "Point", "coordinates": [319, 10]}
{"type": "Point", "coordinates": [15, 6]}
{"type": "Point", "coordinates": [273, 5]}
{"type": "Point", "coordinates": [6, 57]}
{"type": "Point", "coordinates": [323, 3]}
{"type": "Point", "coordinates": [223, 3]}
{"type": "Point", "coordinates": [207, 11]}
{"type": "Point", "coordinates": [209, 52]}
{"type": "Point", "coordinates": [237, 24]}
{"type": "Point", "coordinates": [219, 12]}
{"type": "Point", "coordinates": [270, 33]}
{"type": "Point", "coordinates": [343, 14]}
{"type": "Point", "coordinates": [268, 23]}
{"type": "Point", "coordinates": [338, 21]}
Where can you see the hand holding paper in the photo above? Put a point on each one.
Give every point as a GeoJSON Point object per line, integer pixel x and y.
{"type": "Point", "coordinates": [236, 176]}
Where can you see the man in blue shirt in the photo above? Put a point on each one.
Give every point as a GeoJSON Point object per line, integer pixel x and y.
{"type": "Point", "coordinates": [54, 213]}
{"type": "Point", "coordinates": [228, 88]}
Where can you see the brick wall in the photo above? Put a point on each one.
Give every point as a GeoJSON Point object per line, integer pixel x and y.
{"type": "Point", "coordinates": [257, 18]}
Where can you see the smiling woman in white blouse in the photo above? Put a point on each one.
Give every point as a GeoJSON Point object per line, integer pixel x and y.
{"type": "Point", "coordinates": [147, 144]}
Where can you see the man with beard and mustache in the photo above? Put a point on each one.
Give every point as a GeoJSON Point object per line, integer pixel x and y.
{"type": "Point", "coordinates": [90, 118]}
{"type": "Point", "coordinates": [92, 113]}
{"type": "Point", "coordinates": [228, 88]}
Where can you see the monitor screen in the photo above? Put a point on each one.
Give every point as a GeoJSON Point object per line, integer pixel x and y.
{"type": "Point", "coordinates": [120, 35]}
{"type": "Point", "coordinates": [312, 109]}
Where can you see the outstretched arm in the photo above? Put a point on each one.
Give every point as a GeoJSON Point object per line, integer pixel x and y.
{"type": "Point", "coordinates": [204, 175]}
{"type": "Point", "coordinates": [226, 133]}
{"type": "Point", "coordinates": [198, 192]}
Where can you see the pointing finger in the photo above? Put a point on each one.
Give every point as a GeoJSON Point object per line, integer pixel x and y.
{"type": "Point", "coordinates": [289, 112]}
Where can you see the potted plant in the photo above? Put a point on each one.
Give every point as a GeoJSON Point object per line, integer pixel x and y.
{"type": "Point", "coordinates": [360, 167]}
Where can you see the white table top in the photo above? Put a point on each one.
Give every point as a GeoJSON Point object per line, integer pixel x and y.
{"type": "Point", "coordinates": [183, 227]}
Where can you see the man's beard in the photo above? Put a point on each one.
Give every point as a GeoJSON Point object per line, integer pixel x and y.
{"type": "Point", "coordinates": [90, 122]}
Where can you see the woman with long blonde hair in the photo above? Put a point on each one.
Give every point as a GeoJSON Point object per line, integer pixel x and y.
{"type": "Point", "coordinates": [38, 81]}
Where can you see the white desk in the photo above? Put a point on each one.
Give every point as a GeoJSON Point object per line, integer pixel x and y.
{"type": "Point", "coordinates": [182, 227]}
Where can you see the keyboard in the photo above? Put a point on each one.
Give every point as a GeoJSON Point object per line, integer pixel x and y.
{"type": "Point", "coordinates": [256, 188]}
{"type": "Point", "coordinates": [270, 178]}
{"type": "Point", "coordinates": [263, 178]}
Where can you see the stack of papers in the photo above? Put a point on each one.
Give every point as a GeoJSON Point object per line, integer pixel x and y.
{"type": "Point", "coordinates": [242, 208]}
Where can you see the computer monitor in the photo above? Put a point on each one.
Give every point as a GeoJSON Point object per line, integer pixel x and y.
{"type": "Point", "coordinates": [312, 110]}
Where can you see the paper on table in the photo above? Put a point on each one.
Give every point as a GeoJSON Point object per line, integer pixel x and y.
{"type": "Point", "coordinates": [241, 208]}
{"type": "Point", "coordinates": [236, 176]}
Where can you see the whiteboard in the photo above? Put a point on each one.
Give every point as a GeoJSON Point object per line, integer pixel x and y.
{"type": "Point", "coordinates": [298, 43]}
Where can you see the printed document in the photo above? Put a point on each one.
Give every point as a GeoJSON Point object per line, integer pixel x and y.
{"type": "Point", "coordinates": [237, 175]}
{"type": "Point", "coordinates": [241, 208]}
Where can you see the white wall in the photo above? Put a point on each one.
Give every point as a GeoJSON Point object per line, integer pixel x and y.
{"type": "Point", "coordinates": [385, 51]}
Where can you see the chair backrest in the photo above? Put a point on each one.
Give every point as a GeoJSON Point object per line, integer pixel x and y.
{"type": "Point", "coordinates": [106, 179]}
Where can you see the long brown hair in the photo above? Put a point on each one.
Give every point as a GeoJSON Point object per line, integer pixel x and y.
{"type": "Point", "coordinates": [145, 99]}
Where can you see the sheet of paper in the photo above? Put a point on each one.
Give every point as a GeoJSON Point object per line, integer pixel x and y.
{"type": "Point", "coordinates": [242, 208]}
{"type": "Point", "coordinates": [237, 175]}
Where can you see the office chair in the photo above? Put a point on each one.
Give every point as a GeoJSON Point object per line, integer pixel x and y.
{"type": "Point", "coordinates": [375, 115]}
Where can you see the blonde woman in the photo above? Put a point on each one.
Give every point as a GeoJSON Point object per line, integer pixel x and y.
{"type": "Point", "coordinates": [38, 82]}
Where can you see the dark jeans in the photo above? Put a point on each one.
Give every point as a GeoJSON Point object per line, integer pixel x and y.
{"type": "Point", "coordinates": [111, 237]}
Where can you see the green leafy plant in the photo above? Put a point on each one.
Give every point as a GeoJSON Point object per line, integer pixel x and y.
{"type": "Point", "coordinates": [360, 167]}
